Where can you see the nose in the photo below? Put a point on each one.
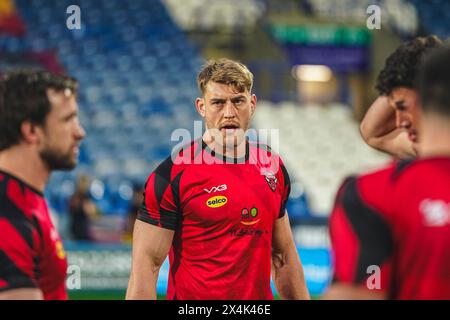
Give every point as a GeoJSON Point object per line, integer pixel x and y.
{"type": "Point", "coordinates": [229, 111]}
{"type": "Point", "coordinates": [401, 121]}
{"type": "Point", "coordinates": [79, 132]}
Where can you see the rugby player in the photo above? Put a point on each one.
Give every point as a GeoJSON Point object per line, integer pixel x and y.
{"type": "Point", "coordinates": [390, 124]}
{"type": "Point", "coordinates": [39, 132]}
{"type": "Point", "coordinates": [217, 209]}
{"type": "Point", "coordinates": [390, 229]}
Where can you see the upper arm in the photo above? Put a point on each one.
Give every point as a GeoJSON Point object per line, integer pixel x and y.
{"type": "Point", "coordinates": [282, 239]}
{"type": "Point", "coordinates": [151, 245]}
{"type": "Point", "coordinates": [379, 130]}
{"type": "Point", "coordinates": [378, 120]}
{"type": "Point", "coordinates": [157, 220]}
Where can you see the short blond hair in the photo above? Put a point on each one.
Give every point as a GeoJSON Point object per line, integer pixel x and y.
{"type": "Point", "coordinates": [227, 72]}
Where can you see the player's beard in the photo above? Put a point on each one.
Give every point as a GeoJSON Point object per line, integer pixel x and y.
{"type": "Point", "coordinates": [56, 160]}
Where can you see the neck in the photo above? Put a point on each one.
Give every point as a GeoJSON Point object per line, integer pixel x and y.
{"type": "Point", "coordinates": [236, 152]}
{"type": "Point", "coordinates": [435, 136]}
{"type": "Point", "coordinates": [25, 163]}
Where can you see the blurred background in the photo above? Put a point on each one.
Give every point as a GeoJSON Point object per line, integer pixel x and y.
{"type": "Point", "coordinates": [314, 61]}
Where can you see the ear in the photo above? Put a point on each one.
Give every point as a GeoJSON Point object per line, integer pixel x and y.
{"type": "Point", "coordinates": [29, 132]}
{"type": "Point", "coordinates": [200, 105]}
{"type": "Point", "coordinates": [253, 104]}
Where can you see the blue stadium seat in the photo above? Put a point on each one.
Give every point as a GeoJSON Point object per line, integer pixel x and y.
{"type": "Point", "coordinates": [130, 81]}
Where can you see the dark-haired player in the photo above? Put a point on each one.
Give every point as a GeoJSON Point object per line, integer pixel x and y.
{"type": "Point", "coordinates": [390, 229]}
{"type": "Point", "coordinates": [39, 132]}
{"type": "Point", "coordinates": [217, 208]}
{"type": "Point", "coordinates": [390, 124]}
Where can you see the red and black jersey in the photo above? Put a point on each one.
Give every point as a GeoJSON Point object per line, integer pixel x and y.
{"type": "Point", "coordinates": [223, 211]}
{"type": "Point", "coordinates": [31, 251]}
{"type": "Point", "coordinates": [397, 219]}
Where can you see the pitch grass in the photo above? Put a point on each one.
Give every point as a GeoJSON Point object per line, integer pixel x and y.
{"type": "Point", "coordinates": [118, 295]}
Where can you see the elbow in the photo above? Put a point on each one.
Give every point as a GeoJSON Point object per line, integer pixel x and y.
{"type": "Point", "coordinates": [368, 136]}
{"type": "Point", "coordinates": [156, 263]}
{"type": "Point", "coordinates": [278, 260]}
{"type": "Point", "coordinates": [364, 130]}
{"type": "Point", "coordinates": [281, 258]}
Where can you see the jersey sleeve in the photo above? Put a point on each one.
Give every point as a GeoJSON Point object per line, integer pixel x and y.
{"type": "Point", "coordinates": [361, 239]}
{"type": "Point", "coordinates": [17, 254]}
{"type": "Point", "coordinates": [160, 206]}
{"type": "Point", "coordinates": [286, 189]}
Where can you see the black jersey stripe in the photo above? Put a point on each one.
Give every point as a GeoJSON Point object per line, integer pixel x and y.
{"type": "Point", "coordinates": [372, 230]}
{"type": "Point", "coordinates": [287, 184]}
{"type": "Point", "coordinates": [167, 220]}
{"type": "Point", "coordinates": [224, 158]}
{"type": "Point", "coordinates": [14, 215]}
{"type": "Point", "coordinates": [12, 274]}
{"type": "Point", "coordinates": [400, 168]}
{"type": "Point", "coordinates": [162, 179]}
{"type": "Point", "coordinates": [37, 258]}
{"type": "Point", "coordinates": [175, 186]}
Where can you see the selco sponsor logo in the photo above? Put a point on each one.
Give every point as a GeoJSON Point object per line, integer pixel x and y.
{"type": "Point", "coordinates": [216, 202]}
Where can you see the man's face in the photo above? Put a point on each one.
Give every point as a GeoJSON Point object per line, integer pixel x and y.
{"type": "Point", "coordinates": [62, 133]}
{"type": "Point", "coordinates": [227, 113]}
{"type": "Point", "coordinates": [405, 101]}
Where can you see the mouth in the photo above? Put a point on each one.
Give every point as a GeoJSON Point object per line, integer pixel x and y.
{"type": "Point", "coordinates": [76, 150]}
{"type": "Point", "coordinates": [412, 136]}
{"type": "Point", "coordinates": [229, 128]}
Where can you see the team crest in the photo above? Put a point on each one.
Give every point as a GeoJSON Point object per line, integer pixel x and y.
{"type": "Point", "coordinates": [272, 181]}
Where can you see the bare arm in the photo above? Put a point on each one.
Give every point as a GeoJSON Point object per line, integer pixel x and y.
{"type": "Point", "coordinates": [151, 245]}
{"type": "Point", "coordinates": [22, 294]}
{"type": "Point", "coordinates": [287, 269]}
{"type": "Point", "coordinates": [342, 291]}
{"type": "Point", "coordinates": [379, 130]}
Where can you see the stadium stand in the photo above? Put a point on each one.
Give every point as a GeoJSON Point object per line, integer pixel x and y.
{"type": "Point", "coordinates": [233, 15]}
{"type": "Point", "coordinates": [321, 145]}
{"type": "Point", "coordinates": [136, 62]}
{"type": "Point", "coordinates": [130, 97]}
{"type": "Point", "coordinates": [434, 16]}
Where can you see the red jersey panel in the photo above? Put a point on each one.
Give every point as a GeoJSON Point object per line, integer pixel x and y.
{"type": "Point", "coordinates": [398, 219]}
{"type": "Point", "coordinates": [31, 251]}
{"type": "Point", "coordinates": [222, 211]}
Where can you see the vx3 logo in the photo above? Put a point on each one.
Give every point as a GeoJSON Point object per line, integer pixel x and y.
{"type": "Point", "coordinates": [222, 187]}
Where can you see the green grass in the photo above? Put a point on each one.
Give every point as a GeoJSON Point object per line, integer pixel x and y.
{"type": "Point", "coordinates": [101, 295]}
{"type": "Point", "coordinates": [118, 295]}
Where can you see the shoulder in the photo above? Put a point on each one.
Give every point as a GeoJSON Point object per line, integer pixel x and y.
{"type": "Point", "coordinates": [405, 172]}
{"type": "Point", "coordinates": [423, 168]}
{"type": "Point", "coordinates": [16, 198]}
{"type": "Point", "coordinates": [422, 175]}
{"type": "Point", "coordinates": [368, 191]}
{"type": "Point", "coordinates": [177, 161]}
{"type": "Point", "coordinates": [264, 153]}
{"type": "Point", "coordinates": [256, 145]}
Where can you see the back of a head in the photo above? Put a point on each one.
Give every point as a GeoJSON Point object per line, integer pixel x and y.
{"type": "Point", "coordinates": [23, 97]}
{"type": "Point", "coordinates": [433, 82]}
{"type": "Point", "coordinates": [401, 68]}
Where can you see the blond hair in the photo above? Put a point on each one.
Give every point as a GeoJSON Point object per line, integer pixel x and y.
{"type": "Point", "coordinates": [225, 71]}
